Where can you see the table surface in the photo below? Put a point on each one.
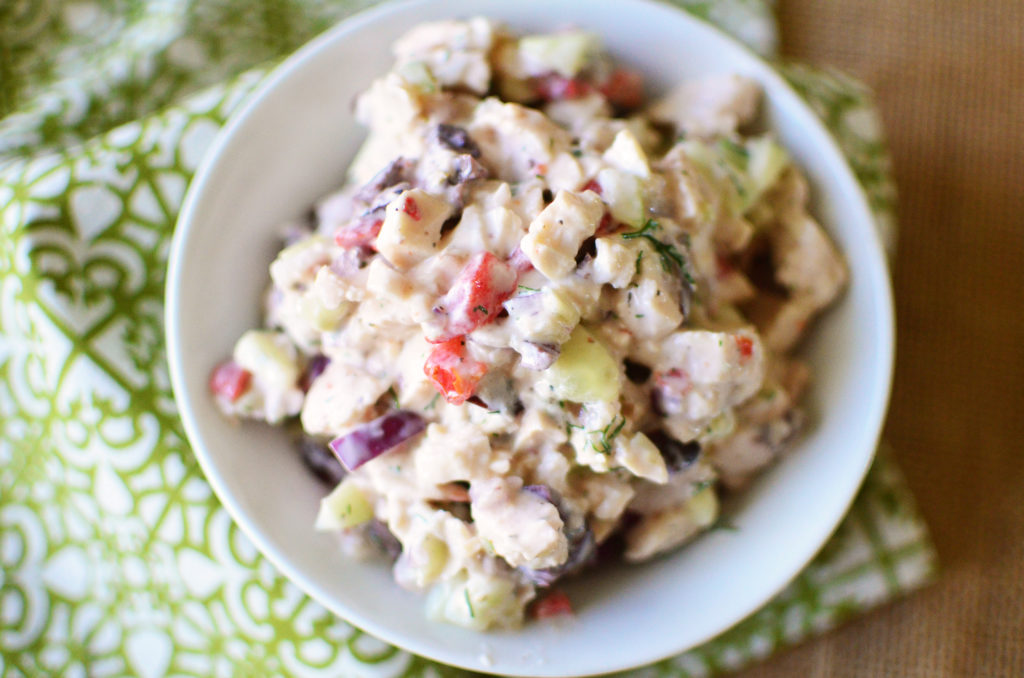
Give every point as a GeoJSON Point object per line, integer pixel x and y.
{"type": "Point", "coordinates": [949, 78]}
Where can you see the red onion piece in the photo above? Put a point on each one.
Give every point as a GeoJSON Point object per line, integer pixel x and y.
{"type": "Point", "coordinates": [314, 368]}
{"type": "Point", "coordinates": [374, 438]}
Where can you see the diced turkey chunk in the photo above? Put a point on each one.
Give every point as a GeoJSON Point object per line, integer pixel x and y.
{"type": "Point", "coordinates": [446, 455]}
{"type": "Point", "coordinates": [390, 108]}
{"type": "Point", "coordinates": [272, 363]}
{"type": "Point", "coordinates": [476, 33]}
{"type": "Point", "coordinates": [296, 265]}
{"type": "Point", "coordinates": [710, 106]}
{"type": "Point", "coordinates": [523, 528]}
{"type": "Point", "coordinates": [667, 529]}
{"type": "Point", "coordinates": [806, 263]}
{"type": "Point", "coordinates": [516, 142]}
{"type": "Point", "coordinates": [615, 260]}
{"type": "Point", "coordinates": [412, 228]}
{"type": "Point", "coordinates": [494, 230]}
{"type": "Point", "coordinates": [650, 310]}
{"type": "Point", "coordinates": [574, 114]}
{"type": "Point", "coordinates": [340, 397]}
{"type": "Point", "coordinates": [753, 447]}
{"type": "Point", "coordinates": [558, 231]}
{"type": "Point", "coordinates": [702, 373]}
{"type": "Point", "coordinates": [681, 485]}
{"type": "Point", "coordinates": [455, 52]}
{"type": "Point", "coordinates": [395, 298]}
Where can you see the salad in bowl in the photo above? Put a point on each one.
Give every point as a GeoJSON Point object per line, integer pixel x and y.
{"type": "Point", "coordinates": [544, 322]}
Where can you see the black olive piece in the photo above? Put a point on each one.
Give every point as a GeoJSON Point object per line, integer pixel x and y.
{"type": "Point", "coordinates": [311, 218]}
{"type": "Point", "coordinates": [678, 456]}
{"type": "Point", "coordinates": [450, 223]}
{"type": "Point", "coordinates": [457, 139]}
{"type": "Point", "coordinates": [476, 400]}
{"type": "Point", "coordinates": [393, 173]}
{"type": "Point", "coordinates": [638, 373]}
{"type": "Point", "coordinates": [321, 462]}
{"type": "Point", "coordinates": [382, 537]}
{"type": "Point", "coordinates": [587, 249]}
{"type": "Point", "coordinates": [465, 168]}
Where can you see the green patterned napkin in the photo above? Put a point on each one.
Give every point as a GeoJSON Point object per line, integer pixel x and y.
{"type": "Point", "coordinates": [115, 558]}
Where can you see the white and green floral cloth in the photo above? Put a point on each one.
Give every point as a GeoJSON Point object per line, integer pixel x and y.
{"type": "Point", "coordinates": [115, 557]}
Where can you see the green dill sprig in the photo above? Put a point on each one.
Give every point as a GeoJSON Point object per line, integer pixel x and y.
{"type": "Point", "coordinates": [702, 485]}
{"type": "Point", "coordinates": [734, 151]}
{"type": "Point", "coordinates": [607, 435]}
{"type": "Point", "coordinates": [671, 258]}
{"type": "Point", "coordinates": [723, 525]}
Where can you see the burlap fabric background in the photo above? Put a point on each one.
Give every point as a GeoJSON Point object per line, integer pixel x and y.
{"type": "Point", "coordinates": [949, 79]}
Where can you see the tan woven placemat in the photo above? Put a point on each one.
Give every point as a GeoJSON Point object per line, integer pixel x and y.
{"type": "Point", "coordinates": [949, 80]}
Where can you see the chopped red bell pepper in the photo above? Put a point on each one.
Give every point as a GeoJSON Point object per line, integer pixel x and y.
{"type": "Point", "coordinates": [675, 380]}
{"type": "Point", "coordinates": [724, 266]}
{"type": "Point", "coordinates": [411, 208]}
{"type": "Point", "coordinates": [592, 185]}
{"type": "Point", "coordinates": [624, 88]}
{"type": "Point", "coordinates": [555, 87]}
{"type": "Point", "coordinates": [554, 604]}
{"type": "Point", "coordinates": [359, 234]}
{"type": "Point", "coordinates": [454, 373]}
{"type": "Point", "coordinates": [746, 347]}
{"type": "Point", "coordinates": [606, 225]}
{"type": "Point", "coordinates": [230, 380]}
{"type": "Point", "coordinates": [476, 296]}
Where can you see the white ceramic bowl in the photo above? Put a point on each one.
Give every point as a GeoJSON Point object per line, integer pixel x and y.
{"type": "Point", "coordinates": [292, 143]}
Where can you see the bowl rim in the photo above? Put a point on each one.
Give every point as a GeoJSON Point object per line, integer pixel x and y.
{"type": "Point", "coordinates": [884, 331]}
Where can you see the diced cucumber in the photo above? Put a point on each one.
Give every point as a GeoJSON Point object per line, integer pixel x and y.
{"type": "Point", "coordinates": [703, 507]}
{"type": "Point", "coordinates": [319, 316]}
{"type": "Point", "coordinates": [767, 160]}
{"type": "Point", "coordinates": [562, 316]}
{"type": "Point", "coordinates": [270, 356]}
{"type": "Point", "coordinates": [417, 74]}
{"type": "Point", "coordinates": [346, 506]}
{"type": "Point", "coordinates": [624, 193]}
{"type": "Point", "coordinates": [479, 602]}
{"type": "Point", "coordinates": [295, 263]}
{"type": "Point", "coordinates": [722, 426]}
{"type": "Point", "coordinates": [585, 371]}
{"type": "Point", "coordinates": [751, 167]}
{"type": "Point", "coordinates": [565, 53]}
{"type": "Point", "coordinates": [434, 556]}
{"type": "Point", "coordinates": [550, 321]}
